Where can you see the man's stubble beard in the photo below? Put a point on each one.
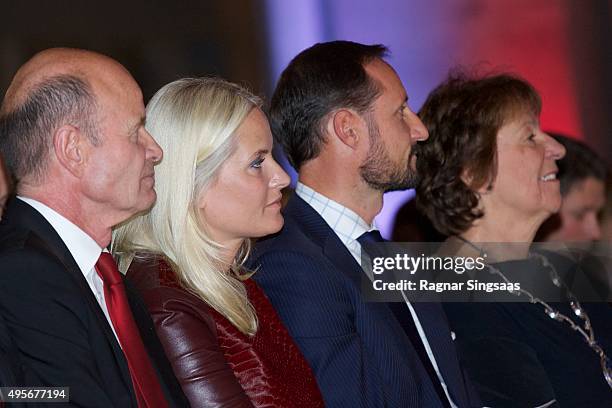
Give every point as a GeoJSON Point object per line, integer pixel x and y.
{"type": "Point", "coordinates": [379, 171]}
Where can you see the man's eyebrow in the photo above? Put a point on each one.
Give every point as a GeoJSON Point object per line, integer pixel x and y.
{"type": "Point", "coordinates": [141, 122]}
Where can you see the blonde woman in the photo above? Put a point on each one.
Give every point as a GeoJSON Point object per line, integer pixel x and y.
{"type": "Point", "coordinates": [217, 186]}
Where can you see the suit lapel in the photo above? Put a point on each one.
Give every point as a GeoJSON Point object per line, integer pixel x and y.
{"type": "Point", "coordinates": [24, 216]}
{"type": "Point", "coordinates": [434, 323]}
{"type": "Point", "coordinates": [436, 329]}
{"type": "Point", "coordinates": [315, 227]}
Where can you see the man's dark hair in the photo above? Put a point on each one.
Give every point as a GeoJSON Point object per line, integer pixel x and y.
{"type": "Point", "coordinates": [463, 116]}
{"type": "Point", "coordinates": [579, 163]}
{"type": "Point", "coordinates": [26, 130]}
{"type": "Point", "coordinates": [322, 78]}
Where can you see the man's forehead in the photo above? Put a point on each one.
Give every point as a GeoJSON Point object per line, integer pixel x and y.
{"type": "Point", "coordinates": [115, 84]}
{"type": "Point", "coordinates": [115, 88]}
{"type": "Point", "coordinates": [91, 67]}
{"type": "Point", "coordinates": [380, 68]}
{"type": "Point", "coordinates": [386, 77]}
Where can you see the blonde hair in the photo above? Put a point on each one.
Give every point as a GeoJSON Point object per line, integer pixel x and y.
{"type": "Point", "coordinates": [194, 120]}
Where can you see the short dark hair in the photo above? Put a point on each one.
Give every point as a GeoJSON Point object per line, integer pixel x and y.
{"type": "Point", "coordinates": [579, 163]}
{"type": "Point", "coordinates": [463, 116]}
{"type": "Point", "coordinates": [322, 78]}
{"type": "Point", "coordinates": [25, 131]}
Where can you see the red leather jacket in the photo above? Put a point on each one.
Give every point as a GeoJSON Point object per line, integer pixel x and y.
{"type": "Point", "coordinates": [216, 364]}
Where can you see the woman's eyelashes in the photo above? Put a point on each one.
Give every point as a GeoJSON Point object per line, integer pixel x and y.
{"type": "Point", "coordinates": [257, 163]}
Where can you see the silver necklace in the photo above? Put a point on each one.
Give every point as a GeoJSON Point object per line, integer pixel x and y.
{"type": "Point", "coordinates": [586, 331]}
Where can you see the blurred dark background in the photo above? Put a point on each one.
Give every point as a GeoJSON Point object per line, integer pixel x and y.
{"type": "Point", "coordinates": [564, 47]}
{"type": "Point", "coordinates": [157, 41]}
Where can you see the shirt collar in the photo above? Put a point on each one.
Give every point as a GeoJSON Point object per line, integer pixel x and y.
{"type": "Point", "coordinates": [345, 222]}
{"type": "Point", "coordinates": [82, 247]}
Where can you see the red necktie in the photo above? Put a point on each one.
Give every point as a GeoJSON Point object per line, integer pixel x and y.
{"type": "Point", "coordinates": [146, 385]}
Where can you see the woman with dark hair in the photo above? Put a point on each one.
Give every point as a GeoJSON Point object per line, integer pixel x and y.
{"type": "Point", "coordinates": [488, 175]}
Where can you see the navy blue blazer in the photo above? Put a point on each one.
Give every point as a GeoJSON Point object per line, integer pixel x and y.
{"type": "Point", "coordinates": [359, 351]}
{"type": "Point", "coordinates": [56, 324]}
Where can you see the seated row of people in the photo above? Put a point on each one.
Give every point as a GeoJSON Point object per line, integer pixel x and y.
{"type": "Point", "coordinates": [203, 317]}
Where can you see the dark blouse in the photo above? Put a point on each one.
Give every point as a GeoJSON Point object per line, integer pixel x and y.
{"type": "Point", "coordinates": [217, 365]}
{"type": "Point", "coordinates": [518, 356]}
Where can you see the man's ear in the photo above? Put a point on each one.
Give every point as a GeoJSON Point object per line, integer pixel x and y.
{"type": "Point", "coordinates": [70, 146]}
{"type": "Point", "coordinates": [347, 126]}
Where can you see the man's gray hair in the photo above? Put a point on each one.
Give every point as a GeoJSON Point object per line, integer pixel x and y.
{"type": "Point", "coordinates": [26, 130]}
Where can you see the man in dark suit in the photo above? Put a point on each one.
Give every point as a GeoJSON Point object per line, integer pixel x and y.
{"type": "Point", "coordinates": [72, 133]}
{"type": "Point", "coordinates": [10, 366]}
{"type": "Point", "coordinates": [340, 112]}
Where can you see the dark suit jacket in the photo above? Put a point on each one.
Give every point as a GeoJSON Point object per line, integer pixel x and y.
{"type": "Point", "coordinates": [519, 357]}
{"type": "Point", "coordinates": [56, 323]}
{"type": "Point", "coordinates": [358, 351]}
{"type": "Point", "coordinates": [11, 373]}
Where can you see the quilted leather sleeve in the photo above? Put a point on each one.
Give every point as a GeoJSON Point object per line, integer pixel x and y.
{"type": "Point", "coordinates": [189, 337]}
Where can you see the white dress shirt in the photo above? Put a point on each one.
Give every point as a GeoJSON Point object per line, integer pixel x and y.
{"type": "Point", "coordinates": [349, 226]}
{"type": "Point", "coordinates": [82, 247]}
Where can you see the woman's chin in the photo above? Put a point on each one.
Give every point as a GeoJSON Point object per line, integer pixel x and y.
{"type": "Point", "coordinates": [553, 206]}
{"type": "Point", "coordinates": [271, 227]}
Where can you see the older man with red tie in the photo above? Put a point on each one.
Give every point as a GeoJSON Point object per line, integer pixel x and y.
{"type": "Point", "coordinates": [72, 133]}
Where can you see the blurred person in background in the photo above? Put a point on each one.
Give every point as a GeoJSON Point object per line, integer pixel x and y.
{"type": "Point", "coordinates": [573, 232]}
{"type": "Point", "coordinates": [582, 174]}
{"type": "Point", "coordinates": [218, 187]}
{"type": "Point", "coordinates": [488, 175]}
